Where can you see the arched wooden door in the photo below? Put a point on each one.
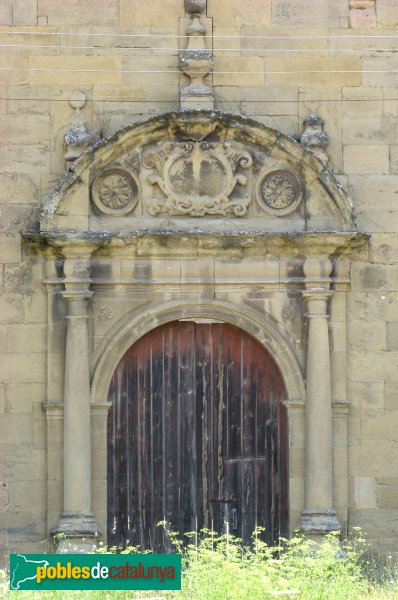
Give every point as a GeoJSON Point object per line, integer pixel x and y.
{"type": "Point", "coordinates": [197, 435]}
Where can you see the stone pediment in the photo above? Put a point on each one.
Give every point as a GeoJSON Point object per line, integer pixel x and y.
{"type": "Point", "coordinates": [198, 169]}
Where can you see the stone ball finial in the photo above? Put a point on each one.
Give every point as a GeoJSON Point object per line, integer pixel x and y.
{"type": "Point", "coordinates": [195, 7]}
{"type": "Point", "coordinates": [77, 137]}
{"type": "Point", "coordinates": [77, 99]}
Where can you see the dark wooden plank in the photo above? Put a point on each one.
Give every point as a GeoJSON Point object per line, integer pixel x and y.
{"type": "Point", "coordinates": [248, 397]}
{"type": "Point", "coordinates": [157, 489]}
{"type": "Point", "coordinates": [171, 432]}
{"type": "Point", "coordinates": [261, 510]}
{"type": "Point", "coordinates": [133, 452]}
{"type": "Point", "coordinates": [187, 396]}
{"type": "Point", "coordinates": [248, 499]}
{"type": "Point", "coordinates": [203, 418]}
{"type": "Point", "coordinates": [261, 409]}
{"type": "Point", "coordinates": [233, 493]}
{"type": "Point", "coordinates": [144, 371]}
{"type": "Point", "coordinates": [232, 352]}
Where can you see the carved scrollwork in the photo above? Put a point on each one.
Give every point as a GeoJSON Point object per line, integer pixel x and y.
{"type": "Point", "coordinates": [279, 192]}
{"type": "Point", "coordinates": [115, 192]}
{"type": "Point", "coordinates": [197, 179]}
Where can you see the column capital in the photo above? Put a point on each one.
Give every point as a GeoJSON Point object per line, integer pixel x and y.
{"type": "Point", "coordinates": [77, 301]}
{"type": "Point", "coordinates": [77, 271]}
{"type": "Point", "coordinates": [317, 294]}
{"type": "Point", "coordinates": [317, 271]}
{"type": "Point", "coordinates": [317, 300]}
{"type": "Point", "coordinates": [77, 267]}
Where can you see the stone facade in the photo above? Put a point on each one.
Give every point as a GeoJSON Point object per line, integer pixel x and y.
{"type": "Point", "coordinates": [272, 244]}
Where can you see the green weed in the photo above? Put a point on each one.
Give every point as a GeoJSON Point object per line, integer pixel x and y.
{"type": "Point", "coordinates": [219, 567]}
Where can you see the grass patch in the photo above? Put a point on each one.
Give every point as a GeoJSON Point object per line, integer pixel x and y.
{"type": "Point", "coordinates": [220, 568]}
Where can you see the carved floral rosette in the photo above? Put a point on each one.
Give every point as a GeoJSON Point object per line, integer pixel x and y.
{"type": "Point", "coordinates": [115, 191]}
{"type": "Point", "coordinates": [279, 192]}
{"type": "Point", "coordinates": [198, 179]}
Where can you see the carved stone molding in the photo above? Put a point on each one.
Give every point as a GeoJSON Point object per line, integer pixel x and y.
{"type": "Point", "coordinates": [115, 192]}
{"type": "Point", "coordinates": [197, 179]}
{"type": "Point", "coordinates": [279, 192]}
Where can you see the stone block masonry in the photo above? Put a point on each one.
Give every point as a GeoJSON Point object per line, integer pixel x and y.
{"type": "Point", "coordinates": [275, 61]}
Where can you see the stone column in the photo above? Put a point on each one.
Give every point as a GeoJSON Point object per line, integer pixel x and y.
{"type": "Point", "coordinates": [77, 521]}
{"type": "Point", "coordinates": [318, 516]}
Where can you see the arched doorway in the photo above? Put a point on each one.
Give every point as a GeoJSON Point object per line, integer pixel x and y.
{"type": "Point", "coordinates": [197, 435]}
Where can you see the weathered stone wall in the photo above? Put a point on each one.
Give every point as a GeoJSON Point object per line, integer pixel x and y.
{"type": "Point", "coordinates": [283, 58]}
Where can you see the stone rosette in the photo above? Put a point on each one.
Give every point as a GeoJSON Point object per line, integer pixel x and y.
{"type": "Point", "coordinates": [115, 192]}
{"type": "Point", "coordinates": [279, 192]}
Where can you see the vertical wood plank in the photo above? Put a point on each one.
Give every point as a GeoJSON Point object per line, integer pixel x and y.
{"type": "Point", "coordinates": [234, 393]}
{"type": "Point", "coordinates": [197, 415]}
{"type": "Point", "coordinates": [188, 426]}
{"type": "Point", "coordinates": [249, 400]}
{"type": "Point", "coordinates": [171, 432]}
{"type": "Point", "coordinates": [133, 425]}
{"type": "Point", "coordinates": [157, 491]}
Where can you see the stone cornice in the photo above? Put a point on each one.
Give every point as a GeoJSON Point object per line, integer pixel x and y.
{"type": "Point", "coordinates": [307, 243]}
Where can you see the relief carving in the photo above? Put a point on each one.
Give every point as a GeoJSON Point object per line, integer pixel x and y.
{"type": "Point", "coordinates": [279, 192]}
{"type": "Point", "coordinates": [197, 179]}
{"type": "Point", "coordinates": [105, 313]}
{"type": "Point", "coordinates": [115, 192]}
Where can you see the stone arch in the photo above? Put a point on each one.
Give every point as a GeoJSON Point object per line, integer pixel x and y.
{"type": "Point", "coordinates": [249, 319]}
{"type": "Point", "coordinates": [326, 205]}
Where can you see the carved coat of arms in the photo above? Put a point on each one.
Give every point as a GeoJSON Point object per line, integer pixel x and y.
{"type": "Point", "coordinates": [198, 179]}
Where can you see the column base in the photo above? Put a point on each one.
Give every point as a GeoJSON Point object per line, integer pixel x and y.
{"type": "Point", "coordinates": [75, 533]}
{"type": "Point", "coordinates": [318, 522]}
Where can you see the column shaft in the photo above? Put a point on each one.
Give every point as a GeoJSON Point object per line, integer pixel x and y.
{"type": "Point", "coordinates": [318, 489]}
{"type": "Point", "coordinates": [318, 515]}
{"type": "Point", "coordinates": [77, 430]}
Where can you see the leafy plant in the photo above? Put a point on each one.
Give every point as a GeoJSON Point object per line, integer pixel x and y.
{"type": "Point", "coordinates": [220, 567]}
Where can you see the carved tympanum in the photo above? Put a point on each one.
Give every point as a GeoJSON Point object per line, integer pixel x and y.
{"type": "Point", "coordinates": [197, 179]}
{"type": "Point", "coordinates": [115, 191]}
{"type": "Point", "coordinates": [279, 192]}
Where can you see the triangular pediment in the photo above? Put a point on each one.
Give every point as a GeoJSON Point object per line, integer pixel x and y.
{"type": "Point", "coordinates": [198, 170]}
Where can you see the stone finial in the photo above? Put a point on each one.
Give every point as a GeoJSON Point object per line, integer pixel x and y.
{"type": "Point", "coordinates": [314, 138]}
{"type": "Point", "coordinates": [196, 61]}
{"type": "Point", "coordinates": [77, 137]}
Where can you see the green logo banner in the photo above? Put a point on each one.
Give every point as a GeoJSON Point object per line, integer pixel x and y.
{"type": "Point", "coordinates": [95, 571]}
